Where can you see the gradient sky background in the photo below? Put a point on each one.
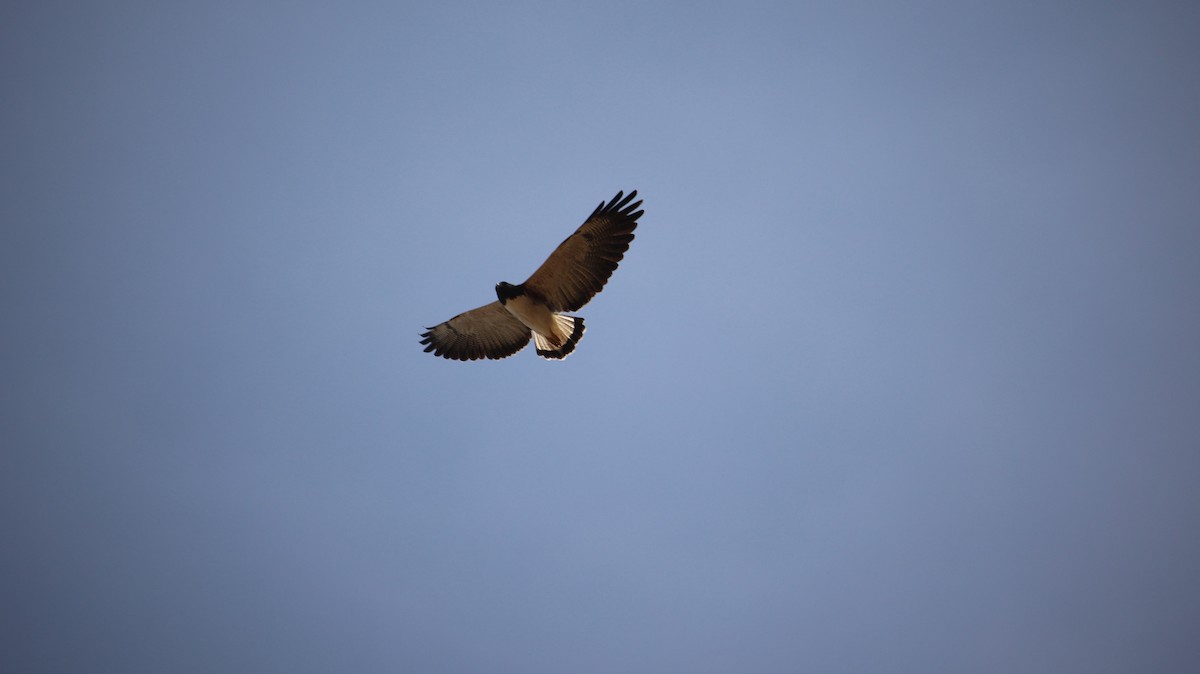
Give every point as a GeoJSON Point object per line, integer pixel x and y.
{"type": "Point", "coordinates": [902, 373]}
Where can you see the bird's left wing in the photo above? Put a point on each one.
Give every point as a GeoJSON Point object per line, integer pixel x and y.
{"type": "Point", "coordinates": [581, 265]}
{"type": "Point", "coordinates": [487, 332]}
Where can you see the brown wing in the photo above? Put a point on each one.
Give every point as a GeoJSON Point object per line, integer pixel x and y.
{"type": "Point", "coordinates": [580, 266]}
{"type": "Point", "coordinates": [487, 332]}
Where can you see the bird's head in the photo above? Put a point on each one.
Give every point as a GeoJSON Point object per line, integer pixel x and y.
{"type": "Point", "coordinates": [507, 291]}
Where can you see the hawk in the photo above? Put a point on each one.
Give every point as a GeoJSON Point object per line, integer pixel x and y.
{"type": "Point", "coordinates": [572, 275]}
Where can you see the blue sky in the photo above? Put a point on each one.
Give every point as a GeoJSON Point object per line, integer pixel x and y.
{"type": "Point", "coordinates": [900, 373]}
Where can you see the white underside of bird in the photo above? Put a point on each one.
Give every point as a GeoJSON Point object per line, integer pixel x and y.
{"type": "Point", "coordinates": [550, 330]}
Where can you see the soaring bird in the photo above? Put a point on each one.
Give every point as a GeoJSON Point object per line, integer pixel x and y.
{"type": "Point", "coordinates": [567, 280]}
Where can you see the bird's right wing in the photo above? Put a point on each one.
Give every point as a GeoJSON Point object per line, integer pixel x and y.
{"type": "Point", "coordinates": [487, 332]}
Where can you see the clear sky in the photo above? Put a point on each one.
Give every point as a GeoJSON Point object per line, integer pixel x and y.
{"type": "Point", "coordinates": [902, 373]}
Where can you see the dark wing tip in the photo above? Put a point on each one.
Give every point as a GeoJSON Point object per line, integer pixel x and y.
{"type": "Point", "coordinates": [428, 340]}
{"type": "Point", "coordinates": [619, 204]}
{"type": "Point", "coordinates": [623, 202]}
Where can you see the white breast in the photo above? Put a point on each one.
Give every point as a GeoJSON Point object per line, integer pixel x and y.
{"type": "Point", "coordinates": [534, 315]}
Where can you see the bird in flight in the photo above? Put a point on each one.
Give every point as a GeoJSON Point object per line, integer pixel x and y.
{"type": "Point", "coordinates": [567, 280]}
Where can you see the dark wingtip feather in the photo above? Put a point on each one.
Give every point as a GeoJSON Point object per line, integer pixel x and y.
{"type": "Point", "coordinates": [619, 204]}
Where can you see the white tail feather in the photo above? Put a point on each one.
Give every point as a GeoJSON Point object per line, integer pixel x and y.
{"type": "Point", "coordinates": [568, 330]}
